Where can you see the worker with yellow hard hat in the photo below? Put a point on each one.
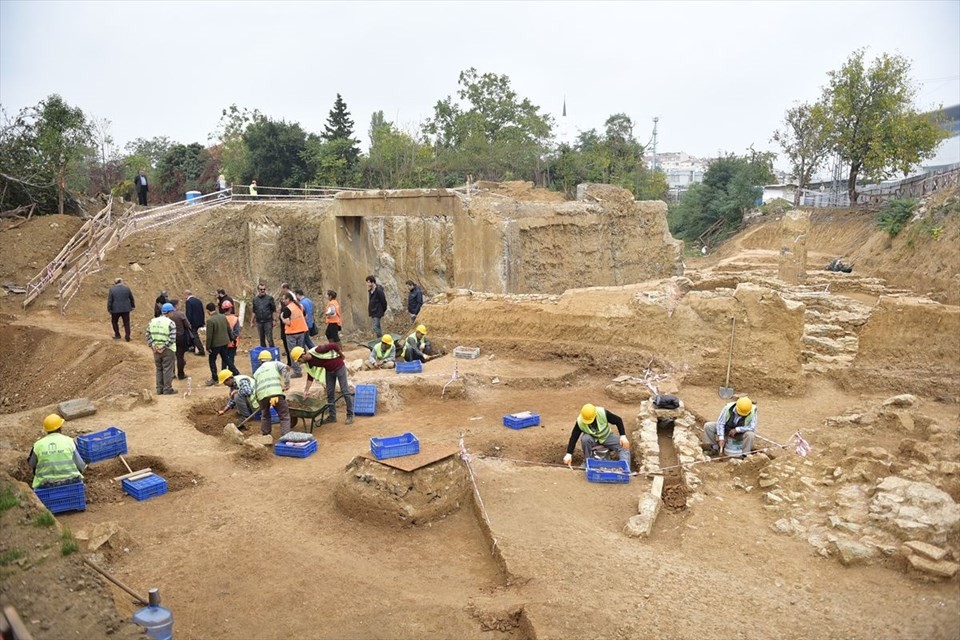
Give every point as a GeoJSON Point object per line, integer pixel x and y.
{"type": "Point", "coordinates": [54, 457]}
{"type": "Point", "coordinates": [326, 363]}
{"type": "Point", "coordinates": [271, 381]}
{"type": "Point", "coordinates": [596, 437]}
{"type": "Point", "coordinates": [734, 431]}
{"type": "Point", "coordinates": [416, 347]}
{"type": "Point", "coordinates": [242, 394]}
{"type": "Point", "coordinates": [383, 355]}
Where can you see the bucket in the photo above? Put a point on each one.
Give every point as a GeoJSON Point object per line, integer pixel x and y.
{"type": "Point", "coordinates": [193, 197]}
{"type": "Point", "coordinates": [255, 354]}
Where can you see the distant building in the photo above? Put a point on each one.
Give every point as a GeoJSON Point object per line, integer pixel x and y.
{"type": "Point", "coordinates": [680, 169]}
{"type": "Point", "coordinates": [948, 153]}
{"type": "Point", "coordinates": [783, 191]}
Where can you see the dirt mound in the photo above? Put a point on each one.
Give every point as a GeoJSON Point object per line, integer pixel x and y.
{"type": "Point", "coordinates": [522, 190]}
{"type": "Point", "coordinates": [375, 492]}
{"type": "Point", "coordinates": [101, 488]}
{"type": "Point", "coordinates": [30, 247]}
{"type": "Point", "coordinates": [203, 416]}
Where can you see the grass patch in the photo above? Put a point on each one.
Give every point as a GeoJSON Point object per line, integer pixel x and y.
{"type": "Point", "coordinates": [8, 498]}
{"type": "Point", "coordinates": [11, 556]}
{"type": "Point", "coordinates": [68, 544]}
{"type": "Point", "coordinates": [44, 519]}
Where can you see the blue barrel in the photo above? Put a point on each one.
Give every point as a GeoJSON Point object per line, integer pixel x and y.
{"type": "Point", "coordinates": [157, 621]}
{"type": "Point", "coordinates": [255, 355]}
{"type": "Point", "coordinates": [193, 197]}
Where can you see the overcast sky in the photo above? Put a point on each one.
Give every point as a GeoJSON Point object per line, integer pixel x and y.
{"type": "Point", "coordinates": [719, 75]}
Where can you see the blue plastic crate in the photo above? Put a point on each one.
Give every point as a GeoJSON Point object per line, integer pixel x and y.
{"type": "Point", "coordinates": [65, 497]}
{"type": "Point", "coordinates": [410, 367]}
{"type": "Point", "coordinates": [609, 471]}
{"type": "Point", "coordinates": [145, 488]}
{"type": "Point", "coordinates": [521, 421]}
{"type": "Point", "coordinates": [274, 416]}
{"type": "Point", "coordinates": [255, 356]}
{"type": "Point", "coordinates": [102, 445]}
{"type": "Point", "coordinates": [365, 401]}
{"type": "Point", "coordinates": [395, 446]}
{"type": "Point", "coordinates": [296, 449]}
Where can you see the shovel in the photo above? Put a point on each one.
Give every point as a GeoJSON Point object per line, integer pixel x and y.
{"type": "Point", "coordinates": [726, 391]}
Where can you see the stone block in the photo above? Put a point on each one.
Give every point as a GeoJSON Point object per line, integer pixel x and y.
{"type": "Point", "coordinates": [233, 434]}
{"type": "Point", "coordinates": [76, 408]}
{"type": "Point", "coordinates": [941, 569]}
{"type": "Point", "coordinates": [926, 550]}
{"type": "Point", "coordinates": [627, 393]}
{"type": "Point", "coordinates": [656, 488]}
{"type": "Point", "coordinates": [852, 552]}
{"type": "Point", "coordinates": [264, 441]}
{"type": "Point", "coordinates": [903, 401]}
{"type": "Point", "coordinates": [640, 525]}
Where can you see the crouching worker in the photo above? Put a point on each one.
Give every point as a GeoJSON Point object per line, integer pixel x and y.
{"type": "Point", "coordinates": [734, 431]}
{"type": "Point", "coordinates": [383, 355]}
{"type": "Point", "coordinates": [271, 381]}
{"type": "Point", "coordinates": [416, 347]}
{"type": "Point", "coordinates": [242, 394]}
{"type": "Point", "coordinates": [54, 457]}
{"type": "Point", "coordinates": [326, 363]}
{"type": "Point", "coordinates": [593, 429]}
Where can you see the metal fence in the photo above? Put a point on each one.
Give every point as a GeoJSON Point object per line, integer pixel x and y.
{"type": "Point", "coordinates": [912, 187]}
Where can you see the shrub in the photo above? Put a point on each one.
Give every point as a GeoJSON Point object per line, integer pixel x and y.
{"type": "Point", "coordinates": [895, 215]}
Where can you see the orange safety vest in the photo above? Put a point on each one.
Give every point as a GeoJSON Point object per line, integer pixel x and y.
{"type": "Point", "coordinates": [232, 321]}
{"type": "Point", "coordinates": [335, 318]}
{"type": "Point", "coordinates": [297, 322]}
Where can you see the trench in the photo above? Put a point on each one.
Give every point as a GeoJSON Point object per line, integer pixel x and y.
{"type": "Point", "coordinates": [674, 488]}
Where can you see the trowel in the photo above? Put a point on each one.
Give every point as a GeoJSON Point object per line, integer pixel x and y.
{"type": "Point", "coordinates": [726, 391]}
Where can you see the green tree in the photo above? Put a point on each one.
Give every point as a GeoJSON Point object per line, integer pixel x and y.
{"type": "Point", "coordinates": [276, 153]}
{"type": "Point", "coordinates": [396, 160]}
{"type": "Point", "coordinates": [180, 170]}
{"type": "Point", "coordinates": [341, 148]}
{"type": "Point", "coordinates": [805, 140]}
{"type": "Point", "coordinates": [230, 137]}
{"type": "Point", "coordinates": [875, 128]}
{"type": "Point", "coordinates": [63, 137]}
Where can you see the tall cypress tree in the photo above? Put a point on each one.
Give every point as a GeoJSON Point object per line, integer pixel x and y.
{"type": "Point", "coordinates": [339, 127]}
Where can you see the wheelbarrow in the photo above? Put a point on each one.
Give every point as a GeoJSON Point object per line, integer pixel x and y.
{"type": "Point", "coordinates": [314, 410]}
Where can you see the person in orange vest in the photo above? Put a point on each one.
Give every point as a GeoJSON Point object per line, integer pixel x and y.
{"type": "Point", "coordinates": [332, 317]}
{"type": "Point", "coordinates": [234, 323]}
{"type": "Point", "coordinates": [295, 327]}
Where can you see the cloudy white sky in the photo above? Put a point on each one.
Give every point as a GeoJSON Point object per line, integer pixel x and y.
{"type": "Point", "coordinates": [719, 75]}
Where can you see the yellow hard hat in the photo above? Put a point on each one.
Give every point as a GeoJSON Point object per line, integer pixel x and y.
{"type": "Point", "coordinates": [744, 406]}
{"type": "Point", "coordinates": [588, 413]}
{"type": "Point", "coordinates": [265, 356]}
{"type": "Point", "coordinates": [422, 329]}
{"type": "Point", "coordinates": [224, 375]}
{"type": "Point", "coordinates": [296, 352]}
{"type": "Point", "coordinates": [386, 338]}
{"type": "Point", "coordinates": [52, 422]}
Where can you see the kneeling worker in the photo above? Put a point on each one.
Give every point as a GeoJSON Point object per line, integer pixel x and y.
{"type": "Point", "coordinates": [271, 381]}
{"type": "Point", "coordinates": [54, 457]}
{"type": "Point", "coordinates": [383, 355]}
{"type": "Point", "coordinates": [415, 347]}
{"type": "Point", "coordinates": [737, 426]}
{"type": "Point", "coordinates": [593, 429]}
{"type": "Point", "coordinates": [242, 394]}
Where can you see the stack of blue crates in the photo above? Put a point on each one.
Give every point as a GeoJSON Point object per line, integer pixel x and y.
{"type": "Point", "coordinates": [395, 446]}
{"type": "Point", "coordinates": [365, 402]}
{"type": "Point", "coordinates": [255, 356]}
{"type": "Point", "coordinates": [146, 488]}
{"type": "Point", "coordinates": [609, 471]}
{"type": "Point", "coordinates": [296, 449]}
{"type": "Point", "coordinates": [410, 367]}
{"type": "Point", "coordinates": [521, 420]}
{"type": "Point", "coordinates": [65, 497]}
{"type": "Point", "coordinates": [102, 445]}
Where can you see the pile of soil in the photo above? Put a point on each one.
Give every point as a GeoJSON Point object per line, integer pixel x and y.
{"type": "Point", "coordinates": [27, 249]}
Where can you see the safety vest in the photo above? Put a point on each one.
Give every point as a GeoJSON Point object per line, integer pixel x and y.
{"type": "Point", "coordinates": [253, 385]}
{"type": "Point", "coordinates": [159, 329]}
{"type": "Point", "coordinates": [335, 318]}
{"type": "Point", "coordinates": [232, 321]}
{"type": "Point", "coordinates": [319, 373]}
{"type": "Point", "coordinates": [253, 189]}
{"type": "Point", "coordinates": [268, 381]}
{"type": "Point", "coordinates": [733, 419]}
{"type": "Point", "coordinates": [421, 344]}
{"type": "Point", "coordinates": [599, 429]}
{"type": "Point", "coordinates": [297, 322]}
{"type": "Point", "coordinates": [383, 355]}
{"type": "Point", "coordinates": [54, 454]}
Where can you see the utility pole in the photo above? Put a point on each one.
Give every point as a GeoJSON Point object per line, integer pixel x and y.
{"type": "Point", "coordinates": [655, 120]}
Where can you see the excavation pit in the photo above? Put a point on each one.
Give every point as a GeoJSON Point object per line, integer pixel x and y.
{"type": "Point", "coordinates": [376, 492]}
{"type": "Point", "coordinates": [674, 487]}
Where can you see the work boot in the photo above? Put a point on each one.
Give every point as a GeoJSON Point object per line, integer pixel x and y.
{"type": "Point", "coordinates": [169, 392]}
{"type": "Point", "coordinates": [211, 382]}
{"type": "Point", "coordinates": [349, 420]}
{"type": "Point", "coordinates": [329, 420]}
{"type": "Point", "coordinates": [116, 337]}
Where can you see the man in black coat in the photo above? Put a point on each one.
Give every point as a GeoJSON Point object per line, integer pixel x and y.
{"type": "Point", "coordinates": [140, 182]}
{"type": "Point", "coordinates": [223, 297]}
{"type": "Point", "coordinates": [264, 308]}
{"type": "Point", "coordinates": [377, 304]}
{"type": "Point", "coordinates": [161, 300]}
{"type": "Point", "coordinates": [119, 304]}
{"type": "Point", "coordinates": [414, 300]}
{"type": "Point", "coordinates": [193, 309]}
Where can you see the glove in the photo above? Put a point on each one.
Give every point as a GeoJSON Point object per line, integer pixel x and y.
{"type": "Point", "coordinates": [568, 459]}
{"type": "Point", "coordinates": [732, 433]}
{"type": "Point", "coordinates": [274, 400]}
{"type": "Point", "coordinates": [624, 442]}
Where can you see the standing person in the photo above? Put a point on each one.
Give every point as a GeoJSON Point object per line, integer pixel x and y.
{"type": "Point", "coordinates": [234, 323]}
{"type": "Point", "coordinates": [307, 305]}
{"type": "Point", "coordinates": [221, 186]}
{"type": "Point", "coordinates": [54, 457]}
{"type": "Point", "coordinates": [194, 312]}
{"type": "Point", "coordinates": [223, 297]}
{"type": "Point", "coordinates": [119, 305]}
{"type": "Point", "coordinates": [377, 304]}
{"type": "Point", "coordinates": [218, 335]}
{"type": "Point", "coordinates": [284, 289]}
{"type": "Point", "coordinates": [140, 182]}
{"type": "Point", "coordinates": [160, 301]}
{"type": "Point", "coordinates": [253, 187]}
{"type": "Point", "coordinates": [271, 381]}
{"type": "Point", "coordinates": [263, 309]}
{"type": "Point", "coordinates": [327, 360]}
{"type": "Point", "coordinates": [593, 429]}
{"type": "Point", "coordinates": [332, 317]}
{"type": "Point", "coordinates": [737, 426]}
{"type": "Point", "coordinates": [414, 300]}
{"type": "Point", "coordinates": [296, 326]}
{"type": "Point", "coordinates": [184, 337]}
{"type": "Point", "coordinates": [162, 338]}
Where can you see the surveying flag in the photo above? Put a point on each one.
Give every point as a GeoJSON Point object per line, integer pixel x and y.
{"type": "Point", "coordinates": [802, 446]}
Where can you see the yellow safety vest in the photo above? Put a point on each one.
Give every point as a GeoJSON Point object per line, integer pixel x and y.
{"type": "Point", "coordinates": [319, 373]}
{"type": "Point", "coordinates": [268, 381]}
{"type": "Point", "coordinates": [420, 344]}
{"type": "Point", "coordinates": [599, 429]}
{"type": "Point", "coordinates": [54, 454]}
{"type": "Point", "coordinates": [381, 355]}
{"type": "Point", "coordinates": [159, 329]}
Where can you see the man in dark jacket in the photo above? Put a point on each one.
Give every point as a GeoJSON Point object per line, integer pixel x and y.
{"type": "Point", "coordinates": [223, 297]}
{"type": "Point", "coordinates": [264, 308]}
{"type": "Point", "coordinates": [184, 337]}
{"type": "Point", "coordinates": [161, 300]}
{"type": "Point", "coordinates": [193, 309]}
{"type": "Point", "coordinates": [119, 305]}
{"type": "Point", "coordinates": [414, 300]}
{"type": "Point", "coordinates": [377, 305]}
{"type": "Point", "coordinates": [218, 336]}
{"type": "Point", "coordinates": [140, 182]}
